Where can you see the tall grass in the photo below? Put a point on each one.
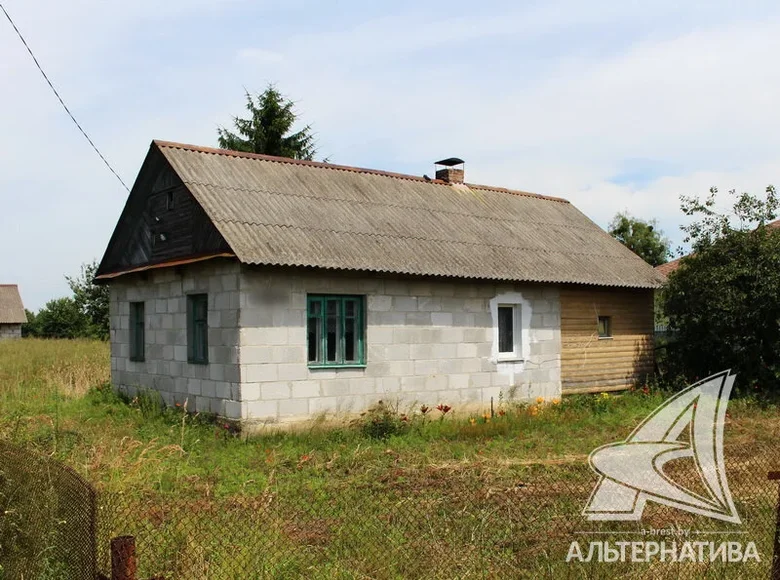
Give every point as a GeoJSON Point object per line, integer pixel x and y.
{"type": "Point", "coordinates": [436, 495]}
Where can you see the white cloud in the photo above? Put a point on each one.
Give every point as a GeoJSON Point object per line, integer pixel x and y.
{"type": "Point", "coordinates": [551, 97]}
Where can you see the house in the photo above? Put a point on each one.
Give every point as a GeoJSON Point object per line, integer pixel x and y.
{"type": "Point", "coordinates": [12, 314]}
{"type": "Point", "coordinates": [268, 289]}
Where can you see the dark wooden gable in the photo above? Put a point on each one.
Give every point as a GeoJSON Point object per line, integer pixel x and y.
{"type": "Point", "coordinates": [161, 222]}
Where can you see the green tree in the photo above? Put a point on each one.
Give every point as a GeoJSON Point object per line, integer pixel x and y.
{"type": "Point", "coordinates": [92, 300]}
{"type": "Point", "coordinates": [61, 318]}
{"type": "Point", "coordinates": [747, 212]}
{"type": "Point", "coordinates": [724, 301]}
{"type": "Point", "coordinates": [30, 328]}
{"type": "Point", "coordinates": [641, 237]}
{"type": "Point", "coordinates": [267, 129]}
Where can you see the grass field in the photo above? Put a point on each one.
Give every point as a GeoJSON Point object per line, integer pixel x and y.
{"type": "Point", "coordinates": [449, 496]}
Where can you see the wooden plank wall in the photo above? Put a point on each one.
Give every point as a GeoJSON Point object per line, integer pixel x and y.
{"type": "Point", "coordinates": [591, 364]}
{"type": "Point", "coordinates": [137, 238]}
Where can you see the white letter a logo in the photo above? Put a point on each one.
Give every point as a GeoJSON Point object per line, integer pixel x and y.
{"type": "Point", "coordinates": [632, 471]}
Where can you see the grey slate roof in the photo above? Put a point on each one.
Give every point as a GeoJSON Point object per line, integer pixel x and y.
{"type": "Point", "coordinates": [277, 211]}
{"type": "Point", "coordinates": [11, 307]}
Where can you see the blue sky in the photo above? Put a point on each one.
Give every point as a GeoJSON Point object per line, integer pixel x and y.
{"type": "Point", "coordinates": [617, 106]}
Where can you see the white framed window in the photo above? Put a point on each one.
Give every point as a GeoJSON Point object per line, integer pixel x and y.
{"type": "Point", "coordinates": [509, 332]}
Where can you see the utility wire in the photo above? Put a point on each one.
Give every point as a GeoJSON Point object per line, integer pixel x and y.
{"type": "Point", "coordinates": [59, 98]}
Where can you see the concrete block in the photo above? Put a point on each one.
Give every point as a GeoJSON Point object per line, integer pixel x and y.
{"type": "Point", "coordinates": [335, 388]}
{"type": "Point", "coordinates": [293, 372]}
{"type": "Point", "coordinates": [379, 335]}
{"type": "Point", "coordinates": [380, 303]}
{"type": "Point", "coordinates": [442, 318]}
{"type": "Point", "coordinates": [276, 390]}
{"type": "Point", "coordinates": [436, 383]}
{"type": "Point", "coordinates": [250, 391]}
{"type": "Point", "coordinates": [289, 354]}
{"type": "Point", "coordinates": [202, 404]}
{"type": "Point", "coordinates": [208, 388]}
{"type": "Point", "coordinates": [294, 408]}
{"type": "Point", "coordinates": [444, 351]}
{"type": "Point", "coordinates": [261, 409]}
{"type": "Point", "coordinates": [257, 373]}
{"type": "Point", "coordinates": [305, 389]}
{"type": "Point", "coordinates": [252, 354]}
{"type": "Point", "coordinates": [421, 351]}
{"type": "Point", "coordinates": [426, 367]}
{"type": "Point", "coordinates": [405, 303]}
{"type": "Point", "coordinates": [364, 386]}
{"type": "Point", "coordinates": [397, 352]}
{"type": "Point", "coordinates": [388, 385]}
{"type": "Point", "coordinates": [466, 350]}
{"type": "Point", "coordinates": [193, 386]}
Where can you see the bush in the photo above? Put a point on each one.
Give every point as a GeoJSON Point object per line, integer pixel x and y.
{"type": "Point", "coordinates": [723, 306]}
{"type": "Point", "coordinates": [382, 421]}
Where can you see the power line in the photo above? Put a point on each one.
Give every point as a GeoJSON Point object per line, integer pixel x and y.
{"type": "Point", "coordinates": [59, 98]}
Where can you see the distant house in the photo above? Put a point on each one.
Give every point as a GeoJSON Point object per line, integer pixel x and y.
{"type": "Point", "coordinates": [671, 266]}
{"type": "Point", "coordinates": [12, 314]}
{"type": "Point", "coordinates": [267, 289]}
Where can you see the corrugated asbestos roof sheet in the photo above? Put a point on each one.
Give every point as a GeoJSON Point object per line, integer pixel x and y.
{"type": "Point", "coordinates": [276, 211]}
{"type": "Point", "coordinates": [11, 307]}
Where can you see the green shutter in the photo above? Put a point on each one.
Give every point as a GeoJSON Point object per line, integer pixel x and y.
{"type": "Point", "coordinates": [197, 329]}
{"type": "Point", "coordinates": [137, 335]}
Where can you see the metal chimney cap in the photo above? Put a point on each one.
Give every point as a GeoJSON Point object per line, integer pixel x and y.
{"type": "Point", "coordinates": [450, 161]}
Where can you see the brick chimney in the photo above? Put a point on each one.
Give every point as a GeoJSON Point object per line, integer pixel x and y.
{"type": "Point", "coordinates": [449, 172]}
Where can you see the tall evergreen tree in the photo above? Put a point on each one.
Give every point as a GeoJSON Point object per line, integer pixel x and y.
{"type": "Point", "coordinates": [267, 130]}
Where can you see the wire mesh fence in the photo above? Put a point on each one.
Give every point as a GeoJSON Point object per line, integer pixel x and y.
{"type": "Point", "coordinates": [457, 520]}
{"type": "Point", "coordinates": [48, 518]}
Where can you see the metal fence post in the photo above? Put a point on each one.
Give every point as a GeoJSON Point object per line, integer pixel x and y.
{"type": "Point", "coordinates": [775, 575]}
{"type": "Point", "coordinates": [123, 564]}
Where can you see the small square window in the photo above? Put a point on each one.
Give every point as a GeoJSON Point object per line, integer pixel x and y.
{"type": "Point", "coordinates": [137, 338]}
{"type": "Point", "coordinates": [605, 327]}
{"type": "Point", "coordinates": [197, 329]}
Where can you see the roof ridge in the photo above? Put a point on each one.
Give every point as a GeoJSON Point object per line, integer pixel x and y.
{"type": "Point", "coordinates": [288, 160]}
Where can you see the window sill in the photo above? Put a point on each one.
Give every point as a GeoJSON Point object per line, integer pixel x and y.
{"type": "Point", "coordinates": [605, 337]}
{"type": "Point", "coordinates": [138, 360]}
{"type": "Point", "coordinates": [198, 362]}
{"type": "Point", "coordinates": [331, 367]}
{"type": "Point", "coordinates": [512, 359]}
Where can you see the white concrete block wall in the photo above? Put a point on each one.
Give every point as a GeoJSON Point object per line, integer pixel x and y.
{"type": "Point", "coordinates": [213, 387]}
{"type": "Point", "coordinates": [8, 331]}
{"type": "Point", "coordinates": [427, 342]}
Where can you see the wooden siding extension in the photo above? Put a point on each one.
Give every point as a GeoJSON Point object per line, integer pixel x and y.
{"type": "Point", "coordinates": [593, 364]}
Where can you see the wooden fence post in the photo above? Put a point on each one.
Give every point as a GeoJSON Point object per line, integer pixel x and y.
{"type": "Point", "coordinates": [775, 574]}
{"type": "Point", "coordinates": [123, 563]}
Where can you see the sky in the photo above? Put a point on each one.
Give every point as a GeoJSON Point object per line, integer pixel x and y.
{"type": "Point", "coordinates": [616, 106]}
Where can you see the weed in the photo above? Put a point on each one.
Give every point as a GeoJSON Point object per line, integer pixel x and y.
{"type": "Point", "coordinates": [382, 421]}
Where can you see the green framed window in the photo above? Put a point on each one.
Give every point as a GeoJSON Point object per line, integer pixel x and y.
{"type": "Point", "coordinates": [605, 327]}
{"type": "Point", "coordinates": [335, 331]}
{"type": "Point", "coordinates": [198, 328]}
{"type": "Point", "coordinates": [137, 336]}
